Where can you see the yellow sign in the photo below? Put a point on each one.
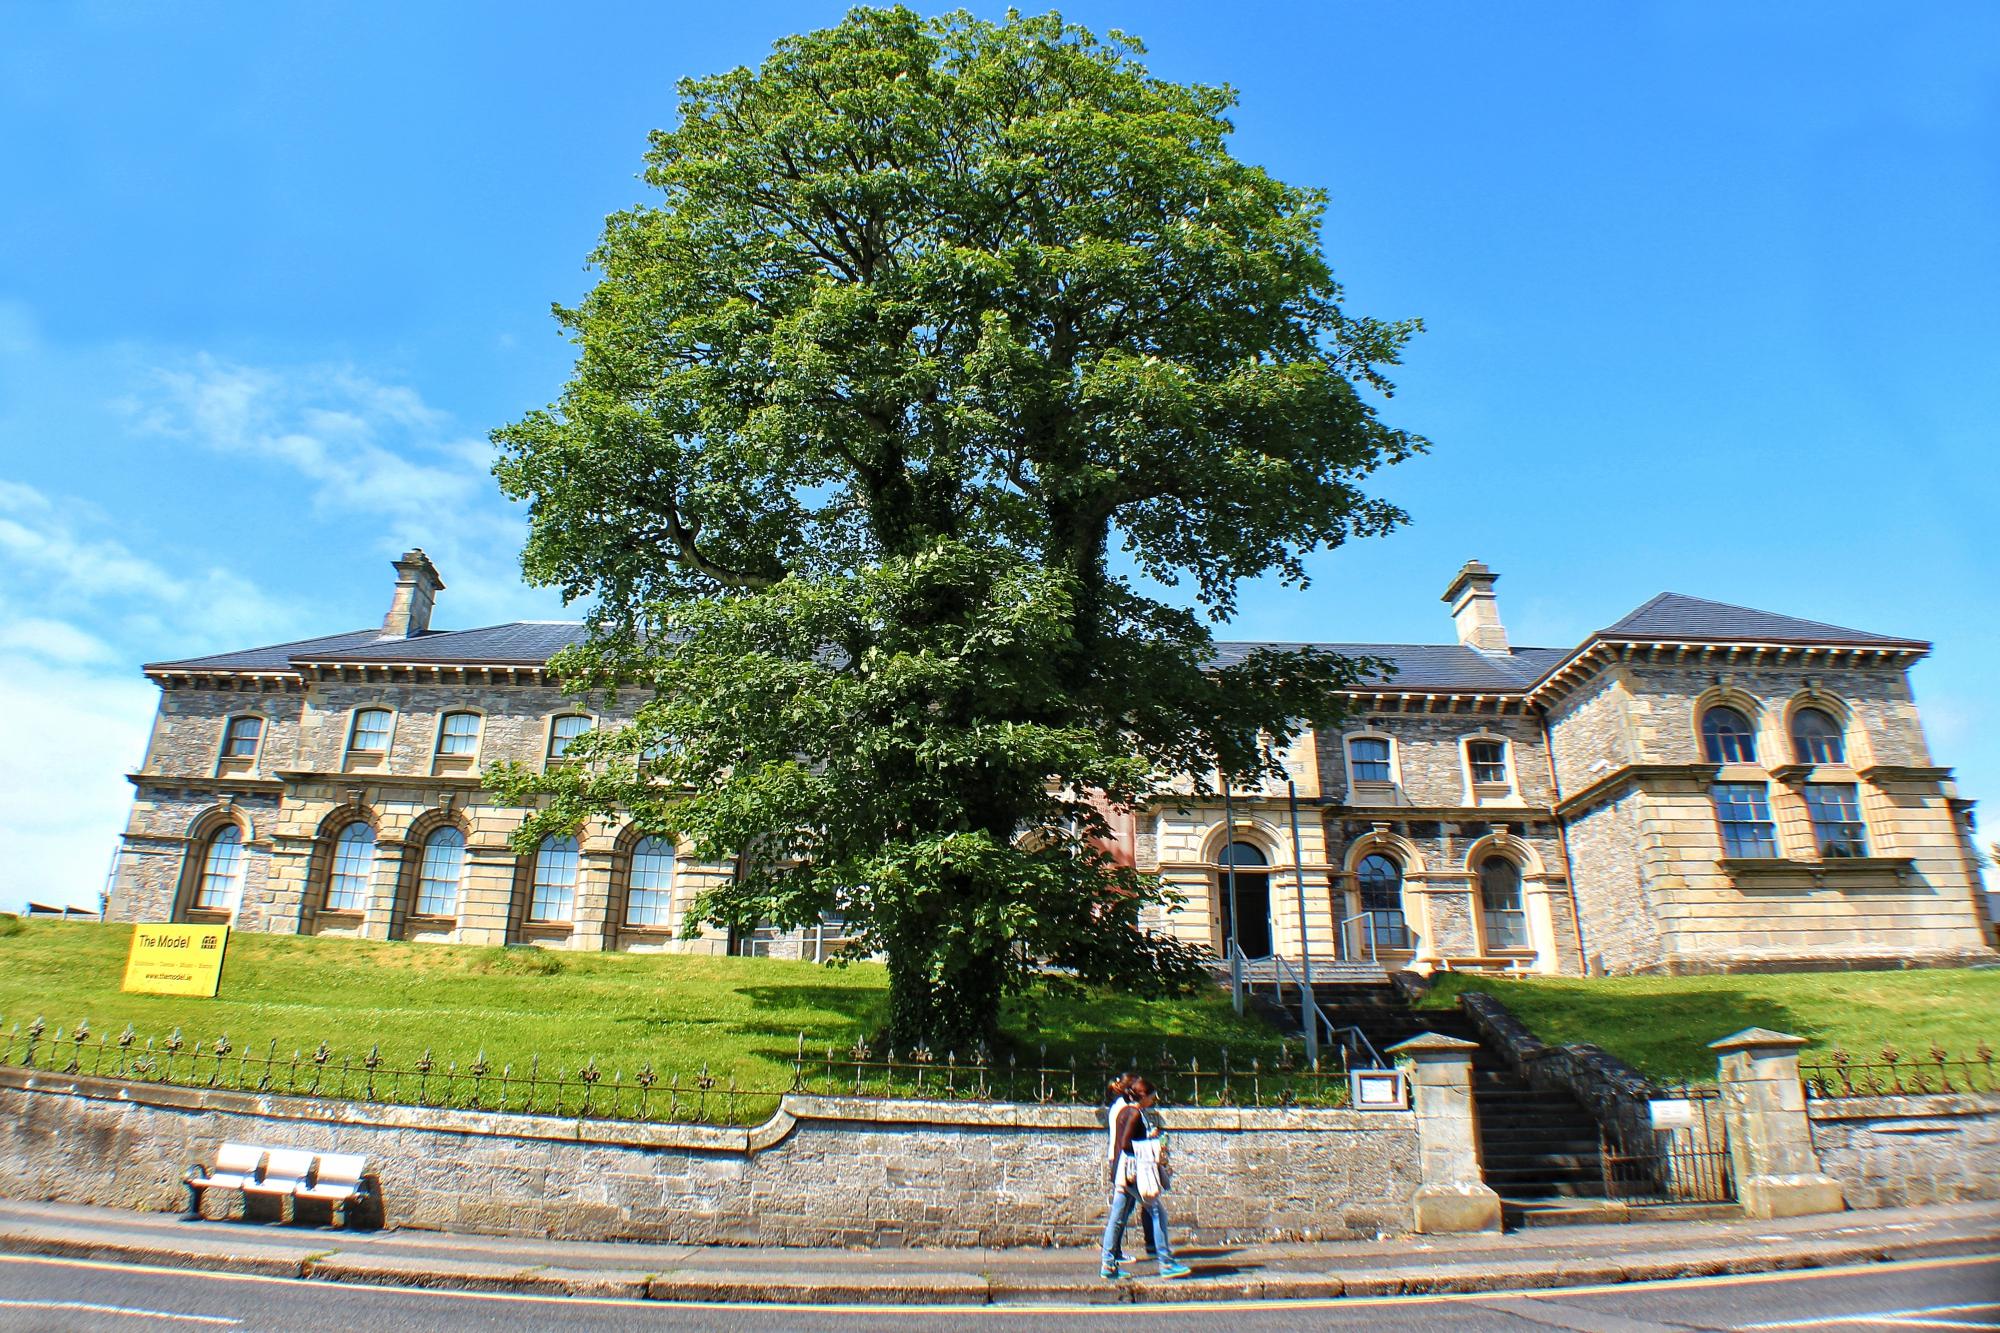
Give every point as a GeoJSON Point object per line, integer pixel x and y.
{"type": "Point", "coordinates": [176, 960]}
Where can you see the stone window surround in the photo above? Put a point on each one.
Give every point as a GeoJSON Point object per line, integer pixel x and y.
{"type": "Point", "coordinates": [194, 860]}
{"type": "Point", "coordinates": [478, 736]}
{"type": "Point", "coordinates": [618, 911]}
{"type": "Point", "coordinates": [549, 721]}
{"type": "Point", "coordinates": [326, 842]}
{"type": "Point", "coordinates": [1508, 792]}
{"type": "Point", "coordinates": [351, 757]}
{"type": "Point", "coordinates": [413, 845]}
{"type": "Point", "coordinates": [1356, 787]}
{"type": "Point", "coordinates": [229, 765]}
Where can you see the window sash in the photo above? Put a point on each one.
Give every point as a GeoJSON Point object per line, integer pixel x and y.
{"type": "Point", "coordinates": [552, 896]}
{"type": "Point", "coordinates": [1728, 737]}
{"type": "Point", "coordinates": [439, 873]}
{"type": "Point", "coordinates": [1369, 759]}
{"type": "Point", "coordinates": [1838, 829]}
{"type": "Point", "coordinates": [240, 740]}
{"type": "Point", "coordinates": [1743, 810]}
{"type": "Point", "coordinates": [1489, 762]}
{"type": "Point", "coordinates": [371, 731]}
{"type": "Point", "coordinates": [564, 730]}
{"type": "Point", "coordinates": [1506, 928]}
{"type": "Point", "coordinates": [353, 865]}
{"type": "Point", "coordinates": [649, 893]}
{"type": "Point", "coordinates": [221, 872]}
{"type": "Point", "coordinates": [460, 734]}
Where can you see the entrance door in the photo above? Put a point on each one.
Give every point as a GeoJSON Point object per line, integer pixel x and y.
{"type": "Point", "coordinates": [1250, 912]}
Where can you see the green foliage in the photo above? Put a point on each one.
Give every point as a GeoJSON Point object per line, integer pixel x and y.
{"type": "Point", "coordinates": [1662, 1025]}
{"type": "Point", "coordinates": [930, 313]}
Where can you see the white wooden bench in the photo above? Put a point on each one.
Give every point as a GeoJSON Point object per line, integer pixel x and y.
{"type": "Point", "coordinates": [336, 1179]}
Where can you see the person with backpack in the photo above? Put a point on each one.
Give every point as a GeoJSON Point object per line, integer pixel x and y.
{"type": "Point", "coordinates": [1138, 1176]}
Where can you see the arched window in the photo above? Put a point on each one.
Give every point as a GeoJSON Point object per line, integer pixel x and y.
{"type": "Point", "coordinates": [651, 888]}
{"type": "Point", "coordinates": [371, 731]}
{"type": "Point", "coordinates": [552, 896]}
{"type": "Point", "coordinates": [565, 729]}
{"type": "Point", "coordinates": [439, 872]}
{"type": "Point", "coordinates": [239, 741]}
{"type": "Point", "coordinates": [221, 882]}
{"type": "Point", "coordinates": [353, 863]}
{"type": "Point", "coordinates": [1817, 738]}
{"type": "Point", "coordinates": [1380, 879]}
{"type": "Point", "coordinates": [1241, 854]}
{"type": "Point", "coordinates": [1727, 738]}
{"type": "Point", "coordinates": [458, 734]}
{"type": "Point", "coordinates": [1502, 911]}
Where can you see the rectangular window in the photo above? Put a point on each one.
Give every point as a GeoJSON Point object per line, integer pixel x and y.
{"type": "Point", "coordinates": [240, 742]}
{"type": "Point", "coordinates": [1744, 811]}
{"type": "Point", "coordinates": [564, 730]}
{"type": "Point", "coordinates": [1368, 756]}
{"type": "Point", "coordinates": [460, 734]}
{"type": "Point", "coordinates": [1836, 819]}
{"type": "Point", "coordinates": [371, 730]}
{"type": "Point", "coordinates": [1489, 762]}
{"type": "Point", "coordinates": [554, 892]}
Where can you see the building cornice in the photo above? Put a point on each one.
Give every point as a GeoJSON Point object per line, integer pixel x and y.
{"type": "Point", "coordinates": [1600, 651]}
{"type": "Point", "coordinates": [200, 782]}
{"type": "Point", "coordinates": [1619, 780]}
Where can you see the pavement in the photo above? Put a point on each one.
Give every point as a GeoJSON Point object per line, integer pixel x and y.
{"type": "Point", "coordinates": [1532, 1259]}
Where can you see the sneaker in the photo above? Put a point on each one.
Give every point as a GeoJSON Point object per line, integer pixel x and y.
{"type": "Point", "coordinates": [1171, 1269]}
{"type": "Point", "coordinates": [1109, 1272]}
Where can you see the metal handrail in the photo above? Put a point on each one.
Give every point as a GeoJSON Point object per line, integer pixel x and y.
{"type": "Point", "coordinates": [1368, 933]}
{"type": "Point", "coordinates": [1352, 1040]}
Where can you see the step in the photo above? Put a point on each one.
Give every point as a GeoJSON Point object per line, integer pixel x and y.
{"type": "Point", "coordinates": [1574, 1211]}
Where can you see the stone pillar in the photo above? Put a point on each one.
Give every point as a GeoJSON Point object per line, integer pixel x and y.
{"type": "Point", "coordinates": [1454, 1195]}
{"type": "Point", "coordinates": [1770, 1140]}
{"type": "Point", "coordinates": [385, 884]}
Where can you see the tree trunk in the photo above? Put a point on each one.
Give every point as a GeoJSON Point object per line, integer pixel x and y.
{"type": "Point", "coordinates": [951, 1016]}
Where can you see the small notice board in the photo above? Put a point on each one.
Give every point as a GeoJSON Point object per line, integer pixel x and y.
{"type": "Point", "coordinates": [176, 959]}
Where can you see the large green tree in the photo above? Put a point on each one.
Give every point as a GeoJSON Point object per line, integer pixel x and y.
{"type": "Point", "coordinates": [930, 314]}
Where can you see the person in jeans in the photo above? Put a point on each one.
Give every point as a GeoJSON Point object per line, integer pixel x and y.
{"type": "Point", "coordinates": [1123, 1201]}
{"type": "Point", "coordinates": [1129, 1126]}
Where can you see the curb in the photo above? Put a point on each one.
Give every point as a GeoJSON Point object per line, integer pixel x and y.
{"type": "Point", "coordinates": [968, 1289]}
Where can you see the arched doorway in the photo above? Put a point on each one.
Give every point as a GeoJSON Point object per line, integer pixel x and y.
{"type": "Point", "coordinates": [1246, 905]}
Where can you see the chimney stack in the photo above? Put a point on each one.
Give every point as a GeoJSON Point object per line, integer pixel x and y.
{"type": "Point", "coordinates": [417, 587]}
{"type": "Point", "coordinates": [1475, 609]}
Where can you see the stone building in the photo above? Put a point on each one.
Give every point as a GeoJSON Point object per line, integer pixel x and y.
{"type": "Point", "coordinates": [1698, 786]}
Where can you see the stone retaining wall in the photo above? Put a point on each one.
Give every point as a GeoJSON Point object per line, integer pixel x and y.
{"type": "Point", "coordinates": [1892, 1152]}
{"type": "Point", "coordinates": [822, 1171]}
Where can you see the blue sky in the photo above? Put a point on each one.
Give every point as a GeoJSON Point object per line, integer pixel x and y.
{"type": "Point", "coordinates": [1713, 294]}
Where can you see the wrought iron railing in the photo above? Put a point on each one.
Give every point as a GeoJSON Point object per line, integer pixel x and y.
{"type": "Point", "coordinates": [591, 1091]}
{"type": "Point", "coordinates": [1898, 1073]}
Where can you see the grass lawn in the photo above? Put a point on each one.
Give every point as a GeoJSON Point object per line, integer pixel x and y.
{"type": "Point", "coordinates": [1662, 1025]}
{"type": "Point", "coordinates": [739, 1017]}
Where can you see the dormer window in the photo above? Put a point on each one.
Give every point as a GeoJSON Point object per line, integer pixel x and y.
{"type": "Point", "coordinates": [1817, 738]}
{"type": "Point", "coordinates": [371, 732]}
{"type": "Point", "coordinates": [239, 740]}
{"type": "Point", "coordinates": [1727, 737]}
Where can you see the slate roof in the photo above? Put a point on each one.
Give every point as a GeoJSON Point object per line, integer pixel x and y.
{"type": "Point", "coordinates": [1676, 616]}
{"type": "Point", "coordinates": [1417, 666]}
{"type": "Point", "coordinates": [1432, 666]}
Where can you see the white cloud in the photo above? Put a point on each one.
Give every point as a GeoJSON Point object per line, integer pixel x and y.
{"type": "Point", "coordinates": [52, 641]}
{"type": "Point", "coordinates": [69, 737]}
{"type": "Point", "coordinates": [370, 451]}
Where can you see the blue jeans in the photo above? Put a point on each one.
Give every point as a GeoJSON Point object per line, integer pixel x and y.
{"type": "Point", "coordinates": [1153, 1213]}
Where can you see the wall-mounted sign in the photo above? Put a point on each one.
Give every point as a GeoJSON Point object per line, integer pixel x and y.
{"type": "Point", "coordinates": [1671, 1113]}
{"type": "Point", "coordinates": [176, 959]}
{"type": "Point", "coordinates": [1376, 1089]}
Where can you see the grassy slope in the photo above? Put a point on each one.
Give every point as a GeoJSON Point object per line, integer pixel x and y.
{"type": "Point", "coordinates": [1662, 1025]}
{"type": "Point", "coordinates": [739, 1016]}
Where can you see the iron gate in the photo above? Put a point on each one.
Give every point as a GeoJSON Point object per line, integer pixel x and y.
{"type": "Point", "coordinates": [1686, 1163]}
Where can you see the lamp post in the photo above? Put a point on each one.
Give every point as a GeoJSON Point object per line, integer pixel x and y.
{"type": "Point", "coordinates": [1308, 1003]}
